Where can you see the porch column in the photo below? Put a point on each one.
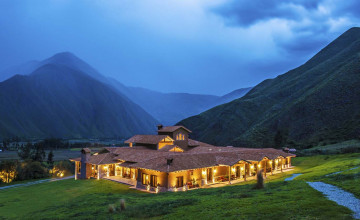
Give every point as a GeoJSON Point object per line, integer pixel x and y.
{"type": "Point", "coordinates": [271, 166]}
{"type": "Point", "coordinates": [265, 167]}
{"type": "Point", "coordinates": [244, 172]}
{"type": "Point", "coordinates": [98, 172]}
{"type": "Point", "coordinates": [76, 169]}
{"type": "Point", "coordinates": [289, 162]}
{"type": "Point", "coordinates": [229, 174]}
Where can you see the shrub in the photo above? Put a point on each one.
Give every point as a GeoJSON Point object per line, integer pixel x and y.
{"type": "Point", "coordinates": [259, 180]}
{"type": "Point", "coordinates": [31, 170]}
{"type": "Point", "coordinates": [65, 167]}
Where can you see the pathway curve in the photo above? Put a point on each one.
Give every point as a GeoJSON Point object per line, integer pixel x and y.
{"type": "Point", "coordinates": [342, 171]}
{"type": "Point", "coordinates": [293, 176]}
{"type": "Point", "coordinates": [339, 196]}
{"type": "Point", "coordinates": [35, 182]}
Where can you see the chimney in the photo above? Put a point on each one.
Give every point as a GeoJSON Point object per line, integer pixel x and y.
{"type": "Point", "coordinates": [169, 161]}
{"type": "Point", "coordinates": [160, 126]}
{"type": "Point", "coordinates": [85, 154]}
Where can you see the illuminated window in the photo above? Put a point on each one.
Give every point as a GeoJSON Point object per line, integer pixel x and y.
{"type": "Point", "coordinates": [179, 181]}
{"type": "Point", "coordinates": [79, 168]}
{"type": "Point", "coordinates": [153, 180]}
{"type": "Point", "coordinates": [180, 136]}
{"type": "Point", "coordinates": [145, 179]}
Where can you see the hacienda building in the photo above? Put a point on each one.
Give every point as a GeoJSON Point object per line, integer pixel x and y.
{"type": "Point", "coordinates": [170, 161]}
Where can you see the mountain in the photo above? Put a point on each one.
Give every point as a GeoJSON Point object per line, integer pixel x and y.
{"type": "Point", "coordinates": [167, 108]}
{"type": "Point", "coordinates": [23, 69]}
{"type": "Point", "coordinates": [318, 102]}
{"type": "Point", "coordinates": [58, 101]}
{"type": "Point", "coordinates": [233, 95]}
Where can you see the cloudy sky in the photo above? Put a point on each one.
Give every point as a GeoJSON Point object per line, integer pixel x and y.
{"type": "Point", "coordinates": [195, 46]}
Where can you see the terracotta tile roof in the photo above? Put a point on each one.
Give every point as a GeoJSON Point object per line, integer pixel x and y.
{"type": "Point", "coordinates": [86, 150]}
{"type": "Point", "coordinates": [194, 143]}
{"type": "Point", "coordinates": [105, 158]}
{"type": "Point", "coordinates": [172, 128]}
{"type": "Point", "coordinates": [186, 161]}
{"type": "Point", "coordinates": [146, 139]}
{"type": "Point", "coordinates": [204, 155]}
{"type": "Point", "coordinates": [75, 159]}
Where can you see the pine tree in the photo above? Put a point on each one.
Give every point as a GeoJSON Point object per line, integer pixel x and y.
{"type": "Point", "coordinates": [50, 160]}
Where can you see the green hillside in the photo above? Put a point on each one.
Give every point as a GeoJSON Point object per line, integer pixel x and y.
{"type": "Point", "coordinates": [318, 102]}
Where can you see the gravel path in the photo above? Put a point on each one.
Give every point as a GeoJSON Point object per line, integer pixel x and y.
{"type": "Point", "coordinates": [35, 182]}
{"type": "Point", "coordinates": [293, 176]}
{"type": "Point", "coordinates": [339, 196]}
{"type": "Point", "coordinates": [342, 171]}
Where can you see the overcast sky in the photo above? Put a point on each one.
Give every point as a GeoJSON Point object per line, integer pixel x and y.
{"type": "Point", "coordinates": [195, 46]}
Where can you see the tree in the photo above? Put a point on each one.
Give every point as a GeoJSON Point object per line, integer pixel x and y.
{"type": "Point", "coordinates": [38, 152]}
{"type": "Point", "coordinates": [25, 151]}
{"type": "Point", "coordinates": [50, 160]}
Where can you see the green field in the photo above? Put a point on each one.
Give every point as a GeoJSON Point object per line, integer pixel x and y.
{"type": "Point", "coordinates": [62, 154]}
{"type": "Point", "coordinates": [89, 199]}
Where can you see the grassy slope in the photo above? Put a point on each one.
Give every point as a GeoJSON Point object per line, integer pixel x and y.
{"type": "Point", "coordinates": [318, 101]}
{"type": "Point", "coordinates": [281, 200]}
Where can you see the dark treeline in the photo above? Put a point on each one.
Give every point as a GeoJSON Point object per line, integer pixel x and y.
{"type": "Point", "coordinates": [46, 144]}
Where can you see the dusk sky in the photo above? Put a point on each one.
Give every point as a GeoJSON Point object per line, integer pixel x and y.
{"type": "Point", "coordinates": [194, 46]}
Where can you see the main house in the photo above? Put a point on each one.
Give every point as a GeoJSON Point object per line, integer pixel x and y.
{"type": "Point", "coordinates": [171, 161]}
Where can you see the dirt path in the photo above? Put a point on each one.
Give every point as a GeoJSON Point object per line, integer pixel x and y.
{"type": "Point", "coordinates": [339, 196]}
{"type": "Point", "coordinates": [35, 182]}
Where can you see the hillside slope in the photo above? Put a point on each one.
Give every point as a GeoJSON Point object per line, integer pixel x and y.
{"type": "Point", "coordinates": [316, 102]}
{"type": "Point", "coordinates": [57, 101]}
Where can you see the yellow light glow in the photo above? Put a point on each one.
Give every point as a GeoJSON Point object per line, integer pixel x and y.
{"type": "Point", "coordinates": [242, 168]}
{"type": "Point", "coordinates": [156, 189]}
{"type": "Point", "coordinates": [233, 169]}
{"type": "Point", "coordinates": [148, 187]}
{"type": "Point", "coordinates": [270, 162]}
{"type": "Point", "coordinates": [259, 165]}
{"type": "Point", "coordinates": [175, 189]}
{"type": "Point", "coordinates": [184, 188]}
{"type": "Point", "coordinates": [215, 170]}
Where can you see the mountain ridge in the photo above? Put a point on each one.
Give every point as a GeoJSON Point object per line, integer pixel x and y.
{"type": "Point", "coordinates": [289, 106]}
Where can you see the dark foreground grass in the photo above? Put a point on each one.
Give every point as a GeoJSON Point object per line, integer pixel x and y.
{"type": "Point", "coordinates": [90, 199]}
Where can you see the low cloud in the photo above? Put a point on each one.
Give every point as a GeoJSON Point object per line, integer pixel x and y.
{"type": "Point", "coordinates": [306, 26]}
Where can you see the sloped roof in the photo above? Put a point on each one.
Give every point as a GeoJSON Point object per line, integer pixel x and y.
{"type": "Point", "coordinates": [172, 128]}
{"type": "Point", "coordinates": [105, 158]}
{"type": "Point", "coordinates": [202, 156]}
{"type": "Point", "coordinates": [147, 139]}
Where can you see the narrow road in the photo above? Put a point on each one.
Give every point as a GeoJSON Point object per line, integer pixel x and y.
{"type": "Point", "coordinates": [35, 182]}
{"type": "Point", "coordinates": [339, 196]}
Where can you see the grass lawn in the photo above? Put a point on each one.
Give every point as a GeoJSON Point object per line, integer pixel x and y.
{"type": "Point", "coordinates": [89, 199]}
